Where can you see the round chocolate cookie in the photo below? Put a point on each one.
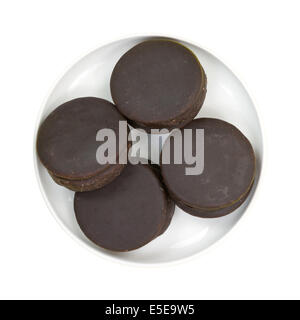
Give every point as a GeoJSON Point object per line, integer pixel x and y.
{"type": "Point", "coordinates": [158, 84]}
{"type": "Point", "coordinates": [122, 216]}
{"type": "Point", "coordinates": [67, 145]}
{"type": "Point", "coordinates": [229, 168]}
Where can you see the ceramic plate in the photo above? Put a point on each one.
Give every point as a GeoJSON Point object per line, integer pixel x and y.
{"type": "Point", "coordinates": [226, 99]}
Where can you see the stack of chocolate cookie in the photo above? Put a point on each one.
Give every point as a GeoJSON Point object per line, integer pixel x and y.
{"type": "Point", "coordinates": [227, 174]}
{"type": "Point", "coordinates": [67, 145]}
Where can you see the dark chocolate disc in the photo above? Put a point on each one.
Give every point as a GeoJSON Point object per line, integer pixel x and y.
{"type": "Point", "coordinates": [66, 142]}
{"type": "Point", "coordinates": [158, 84]}
{"type": "Point", "coordinates": [125, 214]}
{"type": "Point", "coordinates": [229, 167]}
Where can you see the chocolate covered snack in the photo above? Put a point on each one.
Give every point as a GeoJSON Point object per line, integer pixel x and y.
{"type": "Point", "coordinates": [229, 171]}
{"type": "Point", "coordinates": [67, 145]}
{"type": "Point", "coordinates": [158, 84]}
{"type": "Point", "coordinates": [126, 214]}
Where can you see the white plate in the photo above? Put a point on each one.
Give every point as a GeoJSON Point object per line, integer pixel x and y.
{"type": "Point", "coordinates": [226, 99]}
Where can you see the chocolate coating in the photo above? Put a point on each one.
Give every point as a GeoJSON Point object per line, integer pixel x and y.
{"type": "Point", "coordinates": [95, 182]}
{"type": "Point", "coordinates": [66, 142]}
{"type": "Point", "coordinates": [171, 205]}
{"type": "Point", "coordinates": [122, 216]}
{"type": "Point", "coordinates": [158, 84]}
{"type": "Point", "coordinates": [217, 213]}
{"type": "Point", "coordinates": [229, 168]}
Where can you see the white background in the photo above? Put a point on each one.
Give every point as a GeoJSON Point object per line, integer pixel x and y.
{"type": "Point", "coordinates": [260, 257]}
